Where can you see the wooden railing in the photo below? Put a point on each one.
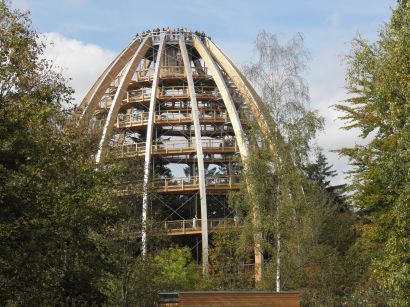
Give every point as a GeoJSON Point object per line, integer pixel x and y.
{"type": "Point", "coordinates": [183, 91]}
{"type": "Point", "coordinates": [105, 102]}
{"type": "Point", "coordinates": [170, 35]}
{"type": "Point", "coordinates": [185, 184]}
{"type": "Point", "coordinates": [186, 227]}
{"type": "Point", "coordinates": [183, 117]}
{"type": "Point", "coordinates": [144, 94]}
{"type": "Point", "coordinates": [176, 71]}
{"type": "Point", "coordinates": [209, 159]}
{"type": "Point", "coordinates": [192, 183]}
{"type": "Point", "coordinates": [210, 130]}
{"type": "Point", "coordinates": [172, 71]}
{"type": "Point", "coordinates": [164, 117]}
{"type": "Point", "coordinates": [178, 227]}
{"type": "Point", "coordinates": [229, 181]}
{"type": "Point", "coordinates": [136, 119]}
{"type": "Point", "coordinates": [174, 148]}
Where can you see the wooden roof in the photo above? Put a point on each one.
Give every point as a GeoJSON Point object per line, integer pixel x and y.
{"type": "Point", "coordinates": [233, 298]}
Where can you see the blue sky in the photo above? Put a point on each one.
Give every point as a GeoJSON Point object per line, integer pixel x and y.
{"type": "Point", "coordinates": [88, 33]}
{"type": "Point", "coordinates": [111, 24]}
{"type": "Point", "coordinates": [328, 26]}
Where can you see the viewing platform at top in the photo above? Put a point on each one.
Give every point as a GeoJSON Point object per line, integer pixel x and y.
{"type": "Point", "coordinates": [170, 35]}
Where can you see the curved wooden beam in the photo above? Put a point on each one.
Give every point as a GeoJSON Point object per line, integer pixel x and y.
{"type": "Point", "coordinates": [199, 154]}
{"type": "Point", "coordinates": [119, 96]}
{"type": "Point", "coordinates": [226, 96]}
{"type": "Point", "coordinates": [93, 97]}
{"type": "Point", "coordinates": [148, 143]}
{"type": "Point", "coordinates": [261, 114]}
{"type": "Point", "coordinates": [259, 110]}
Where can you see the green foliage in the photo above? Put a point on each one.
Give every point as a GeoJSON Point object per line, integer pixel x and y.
{"type": "Point", "coordinates": [303, 232]}
{"type": "Point", "coordinates": [379, 82]}
{"type": "Point", "coordinates": [53, 200]}
{"type": "Point", "coordinates": [178, 270]}
{"type": "Point", "coordinates": [171, 269]}
{"type": "Point", "coordinates": [67, 239]}
{"type": "Point", "coordinates": [305, 219]}
{"type": "Point", "coordinates": [230, 265]}
{"type": "Point", "coordinates": [320, 171]}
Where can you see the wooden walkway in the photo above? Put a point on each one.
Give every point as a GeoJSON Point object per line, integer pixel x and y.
{"type": "Point", "coordinates": [219, 185]}
{"type": "Point", "coordinates": [174, 148]}
{"type": "Point", "coordinates": [194, 226]}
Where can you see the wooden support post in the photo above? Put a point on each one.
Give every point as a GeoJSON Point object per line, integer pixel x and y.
{"type": "Point", "coordinates": [148, 144]}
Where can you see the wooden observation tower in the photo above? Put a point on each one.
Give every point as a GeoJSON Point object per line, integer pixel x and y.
{"type": "Point", "coordinates": [172, 97]}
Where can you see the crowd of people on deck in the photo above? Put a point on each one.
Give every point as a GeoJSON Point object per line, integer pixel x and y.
{"type": "Point", "coordinates": [171, 31]}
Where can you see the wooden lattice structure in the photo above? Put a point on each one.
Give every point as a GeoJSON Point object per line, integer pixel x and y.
{"type": "Point", "coordinates": [174, 98]}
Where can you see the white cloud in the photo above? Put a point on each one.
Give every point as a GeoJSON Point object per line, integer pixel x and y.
{"type": "Point", "coordinates": [82, 63]}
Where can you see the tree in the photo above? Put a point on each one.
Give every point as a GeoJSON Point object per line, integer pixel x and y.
{"type": "Point", "coordinates": [168, 269]}
{"type": "Point", "coordinates": [314, 234]}
{"type": "Point", "coordinates": [378, 79]}
{"type": "Point", "coordinates": [230, 261]}
{"type": "Point", "coordinates": [303, 234]}
{"type": "Point", "coordinates": [277, 75]}
{"type": "Point", "coordinates": [321, 172]}
{"type": "Point", "coordinates": [54, 201]}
